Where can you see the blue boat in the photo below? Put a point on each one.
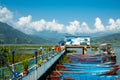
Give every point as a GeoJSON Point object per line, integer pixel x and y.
{"type": "Point", "coordinates": [85, 66]}
{"type": "Point", "coordinates": [107, 64]}
{"type": "Point", "coordinates": [88, 69]}
{"type": "Point", "coordinates": [74, 59]}
{"type": "Point", "coordinates": [73, 75]}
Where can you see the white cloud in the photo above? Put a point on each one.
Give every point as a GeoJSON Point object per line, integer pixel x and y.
{"type": "Point", "coordinates": [23, 21]}
{"type": "Point", "coordinates": [24, 24]}
{"type": "Point", "coordinates": [98, 25]}
{"type": "Point", "coordinates": [54, 26]}
{"type": "Point", "coordinates": [38, 25]}
{"type": "Point", "coordinates": [85, 28]}
{"type": "Point", "coordinates": [113, 25]}
{"type": "Point", "coordinates": [73, 27]}
{"type": "Point", "coordinates": [5, 14]}
{"type": "Point", "coordinates": [118, 24]}
{"type": "Point", "coordinates": [28, 26]}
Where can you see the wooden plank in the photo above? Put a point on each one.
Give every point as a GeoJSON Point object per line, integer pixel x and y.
{"type": "Point", "coordinates": [77, 46]}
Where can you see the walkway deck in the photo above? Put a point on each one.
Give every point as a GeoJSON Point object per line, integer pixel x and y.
{"type": "Point", "coordinates": [36, 72]}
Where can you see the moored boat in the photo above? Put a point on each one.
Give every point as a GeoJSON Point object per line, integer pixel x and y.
{"type": "Point", "coordinates": [92, 69]}
{"type": "Point", "coordinates": [87, 66]}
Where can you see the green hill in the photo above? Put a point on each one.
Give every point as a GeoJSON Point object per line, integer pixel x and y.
{"type": "Point", "coordinates": [112, 38]}
{"type": "Point", "coordinates": [9, 35]}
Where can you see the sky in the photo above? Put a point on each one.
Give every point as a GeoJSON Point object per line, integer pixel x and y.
{"type": "Point", "coordinates": [63, 16]}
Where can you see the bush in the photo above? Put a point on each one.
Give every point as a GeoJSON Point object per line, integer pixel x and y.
{"type": "Point", "coordinates": [25, 64]}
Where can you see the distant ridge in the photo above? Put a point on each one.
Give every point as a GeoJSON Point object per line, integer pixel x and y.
{"type": "Point", "coordinates": [112, 38]}
{"type": "Point", "coordinates": [9, 35]}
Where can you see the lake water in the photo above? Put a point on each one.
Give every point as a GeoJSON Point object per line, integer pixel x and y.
{"type": "Point", "coordinates": [24, 51]}
{"type": "Point", "coordinates": [116, 51]}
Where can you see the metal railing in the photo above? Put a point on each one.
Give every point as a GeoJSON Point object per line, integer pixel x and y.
{"type": "Point", "coordinates": [37, 71]}
{"type": "Point", "coordinates": [6, 74]}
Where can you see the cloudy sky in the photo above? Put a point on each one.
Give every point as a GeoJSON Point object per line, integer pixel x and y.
{"type": "Point", "coordinates": [63, 16]}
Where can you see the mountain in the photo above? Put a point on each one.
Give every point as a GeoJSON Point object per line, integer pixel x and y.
{"type": "Point", "coordinates": [95, 38]}
{"type": "Point", "coordinates": [53, 36]}
{"type": "Point", "coordinates": [112, 38]}
{"type": "Point", "coordinates": [9, 35]}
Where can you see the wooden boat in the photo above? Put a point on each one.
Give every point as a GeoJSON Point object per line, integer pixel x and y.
{"type": "Point", "coordinates": [74, 59]}
{"type": "Point", "coordinates": [86, 77]}
{"type": "Point", "coordinates": [97, 71]}
{"type": "Point", "coordinates": [81, 55]}
{"type": "Point", "coordinates": [89, 58]}
{"type": "Point", "coordinates": [86, 65]}
{"type": "Point", "coordinates": [57, 75]}
{"type": "Point", "coordinates": [93, 69]}
{"type": "Point", "coordinates": [105, 64]}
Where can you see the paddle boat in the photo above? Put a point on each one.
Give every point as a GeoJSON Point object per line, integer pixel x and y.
{"type": "Point", "coordinates": [78, 75]}
{"type": "Point", "coordinates": [90, 69]}
{"type": "Point", "coordinates": [80, 58]}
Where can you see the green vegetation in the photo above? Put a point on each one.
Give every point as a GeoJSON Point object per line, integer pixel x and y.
{"type": "Point", "coordinates": [113, 38]}
{"type": "Point", "coordinates": [25, 63]}
{"type": "Point", "coordinates": [18, 57]}
{"type": "Point", "coordinates": [65, 59]}
{"type": "Point", "coordinates": [40, 62]}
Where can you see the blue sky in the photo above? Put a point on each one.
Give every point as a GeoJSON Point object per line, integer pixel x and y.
{"type": "Point", "coordinates": [66, 12]}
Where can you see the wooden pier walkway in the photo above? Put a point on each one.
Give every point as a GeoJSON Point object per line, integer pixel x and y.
{"type": "Point", "coordinates": [37, 72]}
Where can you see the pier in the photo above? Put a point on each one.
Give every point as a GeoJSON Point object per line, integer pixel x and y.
{"type": "Point", "coordinates": [35, 71]}
{"type": "Point", "coordinates": [39, 72]}
{"type": "Point", "coordinates": [43, 65]}
{"type": "Point", "coordinates": [43, 71]}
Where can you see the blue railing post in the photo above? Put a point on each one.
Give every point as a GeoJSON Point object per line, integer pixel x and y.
{"type": "Point", "coordinates": [36, 52]}
{"type": "Point", "coordinates": [13, 52]}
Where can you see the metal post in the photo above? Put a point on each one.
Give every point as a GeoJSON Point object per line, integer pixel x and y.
{"type": "Point", "coordinates": [13, 60]}
{"type": "Point", "coordinates": [36, 64]}
{"type": "Point", "coordinates": [84, 50]}
{"type": "Point", "coordinates": [2, 65]}
{"type": "Point", "coordinates": [36, 57]}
